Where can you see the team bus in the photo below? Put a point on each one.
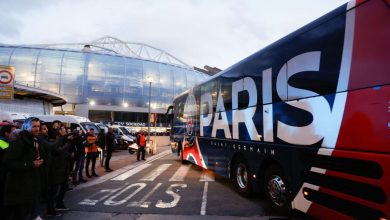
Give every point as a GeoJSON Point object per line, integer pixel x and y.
{"type": "Point", "coordinates": [306, 120]}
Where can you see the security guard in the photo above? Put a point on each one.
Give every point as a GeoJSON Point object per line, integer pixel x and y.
{"type": "Point", "coordinates": [141, 142]}
{"type": "Point", "coordinates": [91, 151]}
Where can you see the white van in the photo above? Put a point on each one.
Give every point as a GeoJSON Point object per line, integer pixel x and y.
{"type": "Point", "coordinates": [13, 116]}
{"type": "Point", "coordinates": [71, 121]}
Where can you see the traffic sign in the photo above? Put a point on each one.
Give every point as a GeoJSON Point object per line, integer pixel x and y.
{"type": "Point", "coordinates": [7, 82]}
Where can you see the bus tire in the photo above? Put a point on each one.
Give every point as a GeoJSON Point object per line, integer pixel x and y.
{"type": "Point", "coordinates": [241, 177]}
{"type": "Point", "coordinates": [277, 189]}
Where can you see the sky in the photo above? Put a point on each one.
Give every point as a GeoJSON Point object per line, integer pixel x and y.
{"type": "Point", "coordinates": [218, 33]}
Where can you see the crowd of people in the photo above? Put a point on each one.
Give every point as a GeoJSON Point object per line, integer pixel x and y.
{"type": "Point", "coordinates": [40, 162]}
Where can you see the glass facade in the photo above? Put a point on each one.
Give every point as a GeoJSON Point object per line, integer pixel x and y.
{"type": "Point", "coordinates": [105, 79]}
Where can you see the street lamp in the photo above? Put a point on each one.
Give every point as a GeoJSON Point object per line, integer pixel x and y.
{"type": "Point", "coordinates": [150, 94]}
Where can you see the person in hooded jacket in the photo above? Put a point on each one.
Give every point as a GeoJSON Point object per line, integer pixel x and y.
{"type": "Point", "coordinates": [110, 138]}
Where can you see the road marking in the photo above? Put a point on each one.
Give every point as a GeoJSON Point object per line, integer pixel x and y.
{"type": "Point", "coordinates": [176, 197]}
{"type": "Point", "coordinates": [181, 173]}
{"type": "Point", "coordinates": [110, 201]}
{"type": "Point", "coordinates": [119, 171]}
{"type": "Point", "coordinates": [204, 199]}
{"type": "Point", "coordinates": [156, 172]}
{"type": "Point", "coordinates": [207, 176]}
{"type": "Point", "coordinates": [142, 203]}
{"type": "Point", "coordinates": [90, 201]}
{"type": "Point", "coordinates": [130, 173]}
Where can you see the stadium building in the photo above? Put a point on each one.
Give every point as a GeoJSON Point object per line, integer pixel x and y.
{"type": "Point", "coordinates": [105, 80]}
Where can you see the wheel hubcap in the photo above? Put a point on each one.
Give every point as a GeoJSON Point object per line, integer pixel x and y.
{"type": "Point", "coordinates": [277, 190]}
{"type": "Point", "coordinates": [242, 176]}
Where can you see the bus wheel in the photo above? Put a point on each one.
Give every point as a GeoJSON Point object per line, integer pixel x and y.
{"type": "Point", "coordinates": [277, 189]}
{"type": "Point", "coordinates": [241, 177]}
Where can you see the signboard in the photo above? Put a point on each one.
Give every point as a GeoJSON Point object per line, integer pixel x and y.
{"type": "Point", "coordinates": [7, 76]}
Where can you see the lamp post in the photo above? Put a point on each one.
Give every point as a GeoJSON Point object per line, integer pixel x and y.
{"type": "Point", "coordinates": [150, 93]}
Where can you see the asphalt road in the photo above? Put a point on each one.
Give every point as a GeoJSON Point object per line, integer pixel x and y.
{"type": "Point", "coordinates": [162, 188]}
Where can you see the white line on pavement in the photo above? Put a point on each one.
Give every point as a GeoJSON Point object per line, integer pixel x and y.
{"type": "Point", "coordinates": [111, 175]}
{"type": "Point", "coordinates": [131, 172]}
{"type": "Point", "coordinates": [156, 172]}
{"type": "Point", "coordinates": [142, 203]}
{"type": "Point", "coordinates": [181, 173]}
{"type": "Point", "coordinates": [204, 199]}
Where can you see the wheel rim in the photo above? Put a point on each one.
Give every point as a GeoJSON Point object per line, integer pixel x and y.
{"type": "Point", "coordinates": [242, 176]}
{"type": "Point", "coordinates": [277, 190]}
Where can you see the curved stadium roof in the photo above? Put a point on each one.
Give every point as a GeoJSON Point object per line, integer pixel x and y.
{"type": "Point", "coordinates": [115, 46]}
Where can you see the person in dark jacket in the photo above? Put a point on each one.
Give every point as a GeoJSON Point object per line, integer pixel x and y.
{"type": "Point", "coordinates": [57, 174]}
{"type": "Point", "coordinates": [101, 139]}
{"type": "Point", "coordinates": [78, 141]}
{"type": "Point", "coordinates": [5, 133]}
{"type": "Point", "coordinates": [39, 208]}
{"type": "Point", "coordinates": [22, 162]}
{"type": "Point", "coordinates": [101, 145]}
{"type": "Point", "coordinates": [110, 138]}
{"type": "Point", "coordinates": [64, 158]}
{"type": "Point", "coordinates": [54, 129]}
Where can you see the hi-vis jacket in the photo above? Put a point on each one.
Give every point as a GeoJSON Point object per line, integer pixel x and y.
{"type": "Point", "coordinates": [141, 140]}
{"type": "Point", "coordinates": [91, 146]}
{"type": "Point", "coordinates": [3, 144]}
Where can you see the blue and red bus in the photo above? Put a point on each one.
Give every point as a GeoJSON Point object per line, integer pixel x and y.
{"type": "Point", "coordinates": [306, 120]}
